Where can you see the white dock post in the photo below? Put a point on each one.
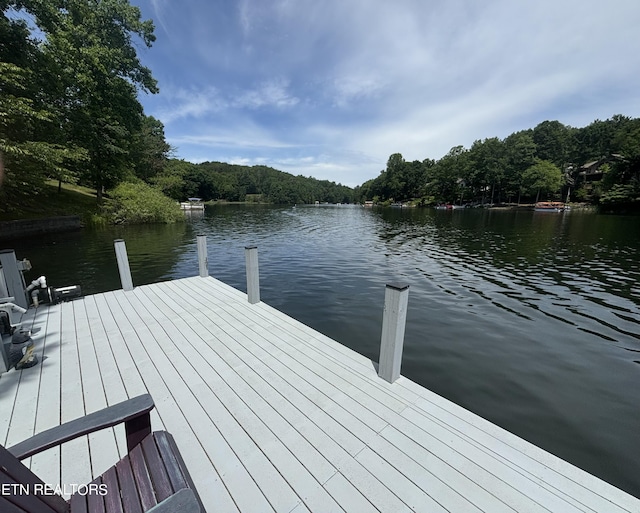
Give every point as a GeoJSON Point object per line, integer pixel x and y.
{"type": "Point", "coordinates": [203, 259]}
{"type": "Point", "coordinates": [123, 264]}
{"type": "Point", "coordinates": [394, 319]}
{"type": "Point", "coordinates": [253, 276]}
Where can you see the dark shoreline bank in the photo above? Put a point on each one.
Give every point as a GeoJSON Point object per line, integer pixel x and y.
{"type": "Point", "coordinates": [23, 228]}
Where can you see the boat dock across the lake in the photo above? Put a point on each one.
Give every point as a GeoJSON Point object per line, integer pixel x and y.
{"type": "Point", "coordinates": [269, 414]}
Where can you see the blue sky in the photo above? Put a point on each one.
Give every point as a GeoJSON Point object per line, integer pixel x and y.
{"type": "Point", "coordinates": [331, 88]}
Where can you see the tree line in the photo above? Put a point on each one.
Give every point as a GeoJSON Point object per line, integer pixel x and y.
{"type": "Point", "coordinates": [549, 161]}
{"type": "Point", "coordinates": [221, 181]}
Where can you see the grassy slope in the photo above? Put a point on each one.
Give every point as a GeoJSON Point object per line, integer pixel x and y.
{"type": "Point", "coordinates": [72, 200]}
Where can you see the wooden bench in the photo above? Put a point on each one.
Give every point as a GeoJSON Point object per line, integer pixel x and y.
{"type": "Point", "coordinates": [152, 477]}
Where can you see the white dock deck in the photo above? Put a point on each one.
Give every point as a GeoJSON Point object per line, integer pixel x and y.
{"type": "Point", "coordinates": [270, 415]}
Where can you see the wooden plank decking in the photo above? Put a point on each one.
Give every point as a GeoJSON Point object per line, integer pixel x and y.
{"type": "Point", "coordinates": [271, 415]}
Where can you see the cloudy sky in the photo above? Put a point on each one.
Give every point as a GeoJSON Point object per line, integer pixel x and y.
{"type": "Point", "coordinates": [331, 88]}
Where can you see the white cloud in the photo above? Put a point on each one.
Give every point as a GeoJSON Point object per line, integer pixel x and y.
{"type": "Point", "coordinates": [193, 103]}
{"type": "Point", "coordinates": [352, 87]}
{"type": "Point", "coordinates": [352, 82]}
{"type": "Point", "coordinates": [158, 13]}
{"type": "Point", "coordinates": [190, 103]}
{"type": "Point", "coordinates": [240, 133]}
{"type": "Point", "coordinates": [272, 93]}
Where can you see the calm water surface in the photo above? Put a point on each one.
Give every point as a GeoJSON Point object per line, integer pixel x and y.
{"type": "Point", "coordinates": [531, 320]}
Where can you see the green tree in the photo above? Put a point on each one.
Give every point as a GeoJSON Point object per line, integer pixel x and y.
{"type": "Point", "coordinates": [487, 167]}
{"type": "Point", "coordinates": [395, 177]}
{"type": "Point", "coordinates": [29, 158]}
{"type": "Point", "coordinates": [594, 141]}
{"type": "Point", "coordinates": [414, 179]}
{"type": "Point", "coordinates": [520, 153]}
{"type": "Point", "coordinates": [171, 180]}
{"type": "Point", "coordinates": [542, 177]}
{"type": "Point", "coordinates": [554, 142]}
{"type": "Point", "coordinates": [91, 77]}
{"type": "Point", "coordinates": [150, 151]}
{"type": "Point", "coordinates": [622, 196]}
{"type": "Point", "coordinates": [448, 176]}
{"type": "Point", "coordinates": [29, 125]}
{"type": "Point", "coordinates": [626, 139]}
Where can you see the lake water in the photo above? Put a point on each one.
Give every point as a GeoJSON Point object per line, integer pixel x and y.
{"type": "Point", "coordinates": [531, 320]}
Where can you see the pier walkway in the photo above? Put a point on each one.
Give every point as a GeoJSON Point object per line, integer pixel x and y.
{"type": "Point", "coordinates": [271, 415]}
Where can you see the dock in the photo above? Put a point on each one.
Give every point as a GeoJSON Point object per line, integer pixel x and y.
{"type": "Point", "coordinates": [271, 415]}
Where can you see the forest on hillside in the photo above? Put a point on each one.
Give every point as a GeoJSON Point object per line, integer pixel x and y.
{"type": "Point", "coordinates": [221, 181]}
{"type": "Point", "coordinates": [598, 163]}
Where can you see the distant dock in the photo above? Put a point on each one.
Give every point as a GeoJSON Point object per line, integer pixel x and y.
{"type": "Point", "coordinates": [269, 414]}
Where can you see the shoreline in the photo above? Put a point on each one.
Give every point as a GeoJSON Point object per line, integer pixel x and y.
{"type": "Point", "coordinates": [24, 228]}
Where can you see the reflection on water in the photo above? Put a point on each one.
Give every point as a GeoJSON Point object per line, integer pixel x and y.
{"type": "Point", "coordinates": [531, 320]}
{"type": "Point", "coordinates": [87, 258]}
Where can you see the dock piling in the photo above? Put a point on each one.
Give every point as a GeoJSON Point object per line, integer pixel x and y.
{"type": "Point", "coordinates": [203, 259]}
{"type": "Point", "coordinates": [253, 276]}
{"type": "Point", "coordinates": [123, 264]}
{"type": "Point", "coordinates": [394, 319]}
